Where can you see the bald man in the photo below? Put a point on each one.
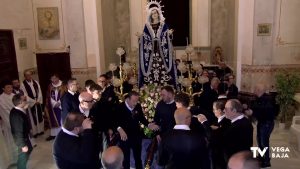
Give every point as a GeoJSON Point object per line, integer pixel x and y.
{"type": "Point", "coordinates": [86, 102]}
{"type": "Point", "coordinates": [265, 111]}
{"type": "Point", "coordinates": [243, 160]}
{"type": "Point", "coordinates": [192, 152]}
{"type": "Point", "coordinates": [112, 158]}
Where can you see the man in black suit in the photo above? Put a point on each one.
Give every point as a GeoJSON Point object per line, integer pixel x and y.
{"type": "Point", "coordinates": [70, 101]}
{"type": "Point", "coordinates": [239, 135]}
{"type": "Point", "coordinates": [74, 146]}
{"type": "Point", "coordinates": [164, 111]}
{"type": "Point", "coordinates": [263, 109]}
{"type": "Point", "coordinates": [108, 93]}
{"type": "Point", "coordinates": [218, 129]}
{"type": "Point", "coordinates": [130, 115]}
{"type": "Point", "coordinates": [181, 148]}
{"type": "Point", "coordinates": [20, 129]}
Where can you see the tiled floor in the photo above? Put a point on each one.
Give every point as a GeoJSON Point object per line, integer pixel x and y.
{"type": "Point", "coordinates": [41, 157]}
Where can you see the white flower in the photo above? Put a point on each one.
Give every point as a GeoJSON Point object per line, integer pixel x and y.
{"type": "Point", "coordinates": [116, 82]}
{"type": "Point", "coordinates": [112, 67]}
{"type": "Point", "coordinates": [126, 67]}
{"type": "Point", "coordinates": [151, 94]}
{"type": "Point", "coordinates": [120, 51]}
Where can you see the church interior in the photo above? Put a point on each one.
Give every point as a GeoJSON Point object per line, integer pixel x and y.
{"type": "Point", "coordinates": [254, 40]}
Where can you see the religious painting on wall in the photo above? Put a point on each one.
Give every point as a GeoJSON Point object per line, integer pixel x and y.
{"type": "Point", "coordinates": [49, 26]}
{"type": "Point", "coordinates": [48, 23]}
{"type": "Point", "coordinates": [22, 43]}
{"type": "Point", "coordinates": [264, 29]}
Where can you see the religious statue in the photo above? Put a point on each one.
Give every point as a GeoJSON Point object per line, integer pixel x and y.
{"type": "Point", "coordinates": [218, 57]}
{"type": "Point", "coordinates": [156, 61]}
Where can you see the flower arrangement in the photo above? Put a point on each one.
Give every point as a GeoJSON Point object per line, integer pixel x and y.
{"type": "Point", "coordinates": [149, 97]}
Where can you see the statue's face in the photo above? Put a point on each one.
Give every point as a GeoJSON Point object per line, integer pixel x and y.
{"type": "Point", "coordinates": [154, 14]}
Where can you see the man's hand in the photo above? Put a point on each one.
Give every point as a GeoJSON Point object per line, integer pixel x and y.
{"type": "Point", "coordinates": [87, 124]}
{"type": "Point", "coordinates": [25, 149]}
{"type": "Point", "coordinates": [248, 112]}
{"type": "Point", "coordinates": [170, 31]}
{"type": "Point", "coordinates": [201, 118]}
{"type": "Point", "coordinates": [123, 134]}
{"type": "Point", "coordinates": [153, 126]}
{"type": "Point", "coordinates": [57, 104]}
{"type": "Point", "coordinates": [158, 138]}
{"type": "Point", "coordinates": [214, 127]}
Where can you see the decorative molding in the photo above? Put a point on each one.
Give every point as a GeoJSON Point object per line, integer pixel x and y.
{"type": "Point", "coordinates": [83, 71]}
{"type": "Point", "coordinates": [269, 68]}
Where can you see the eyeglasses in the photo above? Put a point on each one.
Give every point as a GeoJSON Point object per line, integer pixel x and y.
{"type": "Point", "coordinates": [89, 101]}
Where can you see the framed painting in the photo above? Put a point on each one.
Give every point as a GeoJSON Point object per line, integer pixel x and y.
{"type": "Point", "coordinates": [22, 43]}
{"type": "Point", "coordinates": [49, 27]}
{"type": "Point", "coordinates": [264, 29]}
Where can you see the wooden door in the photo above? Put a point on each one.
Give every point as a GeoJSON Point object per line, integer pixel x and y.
{"type": "Point", "coordinates": [8, 61]}
{"type": "Point", "coordinates": [50, 63]}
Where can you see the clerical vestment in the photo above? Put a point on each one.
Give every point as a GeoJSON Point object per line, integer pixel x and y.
{"type": "Point", "coordinates": [53, 105]}
{"type": "Point", "coordinates": [33, 92]}
{"type": "Point", "coordinates": [6, 105]}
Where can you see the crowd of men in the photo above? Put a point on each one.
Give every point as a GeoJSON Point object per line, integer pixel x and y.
{"type": "Point", "coordinates": [90, 125]}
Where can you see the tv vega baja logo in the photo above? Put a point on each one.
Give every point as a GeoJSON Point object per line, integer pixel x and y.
{"type": "Point", "coordinates": [275, 152]}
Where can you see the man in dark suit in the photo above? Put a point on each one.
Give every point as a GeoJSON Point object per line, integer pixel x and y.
{"type": "Point", "coordinates": [218, 129]}
{"type": "Point", "coordinates": [130, 115]}
{"type": "Point", "coordinates": [181, 148]}
{"type": "Point", "coordinates": [263, 109]}
{"type": "Point", "coordinates": [108, 93]}
{"type": "Point", "coordinates": [164, 111]}
{"type": "Point", "coordinates": [70, 102]}
{"type": "Point", "coordinates": [239, 135]}
{"type": "Point", "coordinates": [74, 146]}
{"type": "Point", "coordinates": [20, 129]}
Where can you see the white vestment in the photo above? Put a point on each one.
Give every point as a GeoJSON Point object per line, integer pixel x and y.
{"type": "Point", "coordinates": [11, 149]}
{"type": "Point", "coordinates": [40, 125]}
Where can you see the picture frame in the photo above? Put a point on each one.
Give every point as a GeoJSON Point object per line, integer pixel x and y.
{"type": "Point", "coordinates": [49, 26]}
{"type": "Point", "coordinates": [22, 43]}
{"type": "Point", "coordinates": [264, 29]}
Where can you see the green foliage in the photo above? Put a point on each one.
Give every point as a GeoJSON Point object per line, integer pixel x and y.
{"type": "Point", "coordinates": [286, 85]}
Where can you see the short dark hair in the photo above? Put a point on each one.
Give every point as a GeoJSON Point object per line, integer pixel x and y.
{"type": "Point", "coordinates": [5, 83]}
{"type": "Point", "coordinates": [236, 104]}
{"type": "Point", "coordinates": [182, 98]}
{"type": "Point", "coordinates": [220, 104]}
{"type": "Point", "coordinates": [132, 93]}
{"type": "Point", "coordinates": [89, 83]}
{"type": "Point", "coordinates": [94, 87]}
{"type": "Point", "coordinates": [71, 80]}
{"type": "Point", "coordinates": [168, 89]}
{"type": "Point", "coordinates": [73, 119]}
{"type": "Point", "coordinates": [17, 99]}
{"type": "Point", "coordinates": [105, 76]}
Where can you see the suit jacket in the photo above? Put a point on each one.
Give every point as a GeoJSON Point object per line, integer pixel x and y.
{"type": "Point", "coordinates": [164, 116]}
{"type": "Point", "coordinates": [20, 127]}
{"type": "Point", "coordinates": [109, 95]}
{"type": "Point", "coordinates": [130, 120]}
{"type": "Point", "coordinates": [193, 154]}
{"type": "Point", "coordinates": [218, 135]}
{"type": "Point", "coordinates": [69, 103]}
{"type": "Point", "coordinates": [238, 137]}
{"type": "Point", "coordinates": [71, 152]}
{"type": "Point", "coordinates": [102, 116]}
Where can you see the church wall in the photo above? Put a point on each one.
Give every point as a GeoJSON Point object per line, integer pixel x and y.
{"type": "Point", "coordinates": [18, 17]}
{"type": "Point", "coordinates": [270, 56]}
{"type": "Point", "coordinates": [223, 28]}
{"type": "Point", "coordinates": [116, 28]}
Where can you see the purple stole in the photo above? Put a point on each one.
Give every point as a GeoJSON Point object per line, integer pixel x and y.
{"type": "Point", "coordinates": [54, 113]}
